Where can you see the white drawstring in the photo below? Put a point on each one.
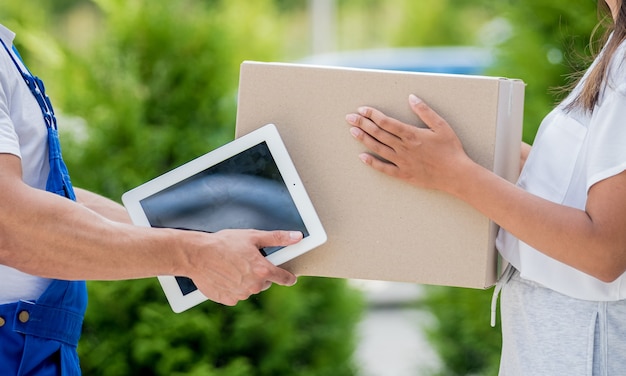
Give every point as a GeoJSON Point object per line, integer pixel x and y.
{"type": "Point", "coordinates": [504, 278]}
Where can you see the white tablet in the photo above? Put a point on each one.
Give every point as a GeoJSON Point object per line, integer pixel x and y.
{"type": "Point", "coordinates": [250, 182]}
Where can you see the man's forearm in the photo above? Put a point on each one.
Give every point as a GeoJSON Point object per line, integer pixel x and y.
{"type": "Point", "coordinates": [67, 240]}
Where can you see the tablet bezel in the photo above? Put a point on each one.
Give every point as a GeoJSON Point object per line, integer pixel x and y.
{"type": "Point", "coordinates": [268, 134]}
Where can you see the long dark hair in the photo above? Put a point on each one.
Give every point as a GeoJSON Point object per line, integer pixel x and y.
{"type": "Point", "coordinates": [588, 97]}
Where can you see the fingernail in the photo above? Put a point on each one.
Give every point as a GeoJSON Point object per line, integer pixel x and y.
{"type": "Point", "coordinates": [414, 100]}
{"type": "Point", "coordinates": [365, 158]}
{"type": "Point", "coordinates": [351, 118]}
{"type": "Point", "coordinates": [356, 132]}
{"type": "Point", "coordinates": [294, 235]}
{"type": "Point", "coordinates": [362, 111]}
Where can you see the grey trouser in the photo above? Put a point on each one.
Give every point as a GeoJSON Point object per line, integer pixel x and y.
{"type": "Point", "coordinates": [547, 333]}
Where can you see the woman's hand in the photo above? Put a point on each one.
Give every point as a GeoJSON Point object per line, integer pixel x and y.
{"type": "Point", "coordinates": [430, 157]}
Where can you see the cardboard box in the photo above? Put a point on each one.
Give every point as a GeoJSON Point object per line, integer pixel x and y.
{"type": "Point", "coordinates": [380, 228]}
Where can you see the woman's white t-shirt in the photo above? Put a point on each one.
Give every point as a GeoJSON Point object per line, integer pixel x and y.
{"type": "Point", "coordinates": [22, 133]}
{"type": "Point", "coordinates": [573, 151]}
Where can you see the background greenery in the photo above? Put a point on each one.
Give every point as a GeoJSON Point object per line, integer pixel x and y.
{"type": "Point", "coordinates": [143, 86]}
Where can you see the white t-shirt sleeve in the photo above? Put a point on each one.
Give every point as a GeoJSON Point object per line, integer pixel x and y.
{"type": "Point", "coordinates": [607, 151]}
{"type": "Point", "coordinates": [9, 141]}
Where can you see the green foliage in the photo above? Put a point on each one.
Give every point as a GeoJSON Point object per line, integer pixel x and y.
{"type": "Point", "coordinates": [409, 23]}
{"type": "Point", "coordinates": [549, 41]}
{"type": "Point", "coordinates": [439, 22]}
{"type": "Point", "coordinates": [166, 77]}
{"type": "Point", "coordinates": [283, 331]}
{"type": "Point", "coordinates": [462, 336]}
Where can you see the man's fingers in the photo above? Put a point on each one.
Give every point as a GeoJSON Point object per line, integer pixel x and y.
{"type": "Point", "coordinates": [272, 273]}
{"type": "Point", "coordinates": [279, 276]}
{"type": "Point", "coordinates": [266, 286]}
{"type": "Point", "coordinates": [278, 238]}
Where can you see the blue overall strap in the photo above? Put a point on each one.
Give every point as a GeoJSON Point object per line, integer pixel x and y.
{"type": "Point", "coordinates": [40, 338]}
{"type": "Point", "coordinates": [58, 178]}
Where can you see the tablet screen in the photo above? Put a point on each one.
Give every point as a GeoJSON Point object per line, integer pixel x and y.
{"type": "Point", "coordinates": [241, 192]}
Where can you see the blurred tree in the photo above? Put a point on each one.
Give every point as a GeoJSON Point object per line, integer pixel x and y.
{"type": "Point", "coordinates": [367, 24]}
{"type": "Point", "coordinates": [547, 43]}
{"type": "Point", "coordinates": [153, 87]}
{"type": "Point", "coordinates": [440, 22]}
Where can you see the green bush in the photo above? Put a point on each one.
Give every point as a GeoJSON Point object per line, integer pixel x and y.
{"type": "Point", "coordinates": [461, 333]}
{"type": "Point", "coordinates": [302, 330]}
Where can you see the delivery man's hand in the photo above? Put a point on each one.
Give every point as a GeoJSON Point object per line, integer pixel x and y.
{"type": "Point", "coordinates": [227, 266]}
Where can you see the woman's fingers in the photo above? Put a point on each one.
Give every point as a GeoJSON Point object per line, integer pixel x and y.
{"type": "Point", "coordinates": [372, 143]}
{"type": "Point", "coordinates": [385, 167]}
{"type": "Point", "coordinates": [431, 118]}
{"type": "Point", "coordinates": [382, 127]}
{"type": "Point", "coordinates": [372, 126]}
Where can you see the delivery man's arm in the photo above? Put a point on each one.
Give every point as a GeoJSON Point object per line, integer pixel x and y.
{"type": "Point", "coordinates": [50, 236]}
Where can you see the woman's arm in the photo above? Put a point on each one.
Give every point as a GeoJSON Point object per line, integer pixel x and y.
{"type": "Point", "coordinates": [524, 151]}
{"type": "Point", "coordinates": [50, 236]}
{"type": "Point", "coordinates": [591, 240]}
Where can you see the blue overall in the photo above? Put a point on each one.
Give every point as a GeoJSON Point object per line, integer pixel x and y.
{"type": "Point", "coordinates": [40, 337]}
